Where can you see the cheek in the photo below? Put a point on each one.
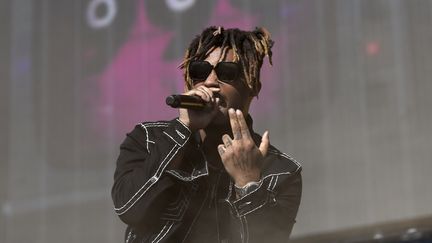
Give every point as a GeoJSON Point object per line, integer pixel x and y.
{"type": "Point", "coordinates": [241, 92]}
{"type": "Point", "coordinates": [234, 98]}
{"type": "Point", "coordinates": [236, 95]}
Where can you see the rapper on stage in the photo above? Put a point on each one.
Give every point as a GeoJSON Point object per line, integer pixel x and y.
{"type": "Point", "coordinates": [206, 176]}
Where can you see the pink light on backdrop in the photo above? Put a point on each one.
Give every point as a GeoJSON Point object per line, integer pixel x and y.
{"type": "Point", "coordinates": [373, 48]}
{"type": "Point", "coordinates": [135, 83]}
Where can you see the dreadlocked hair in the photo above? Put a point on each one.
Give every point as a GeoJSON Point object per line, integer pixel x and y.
{"type": "Point", "coordinates": [249, 49]}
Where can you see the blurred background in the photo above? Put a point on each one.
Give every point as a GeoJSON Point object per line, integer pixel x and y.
{"type": "Point", "coordinates": [348, 96]}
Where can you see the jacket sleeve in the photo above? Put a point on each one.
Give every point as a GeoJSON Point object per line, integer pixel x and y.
{"type": "Point", "coordinates": [141, 189]}
{"type": "Point", "coordinates": [276, 221]}
{"type": "Point", "coordinates": [268, 213]}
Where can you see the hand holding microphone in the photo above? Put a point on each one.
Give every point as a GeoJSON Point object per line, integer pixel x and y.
{"type": "Point", "coordinates": [197, 106]}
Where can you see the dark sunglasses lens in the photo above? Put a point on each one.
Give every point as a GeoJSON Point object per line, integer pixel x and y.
{"type": "Point", "coordinates": [227, 71]}
{"type": "Point", "coordinates": [199, 70]}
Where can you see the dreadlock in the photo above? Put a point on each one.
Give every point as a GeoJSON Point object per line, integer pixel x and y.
{"type": "Point", "coordinates": [249, 49]}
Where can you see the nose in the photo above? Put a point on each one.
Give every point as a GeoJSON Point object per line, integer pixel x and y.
{"type": "Point", "coordinates": [212, 80]}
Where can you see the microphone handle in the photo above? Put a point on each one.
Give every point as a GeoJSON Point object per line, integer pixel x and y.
{"type": "Point", "coordinates": [186, 101]}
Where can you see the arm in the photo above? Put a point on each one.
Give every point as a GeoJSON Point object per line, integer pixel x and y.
{"type": "Point", "coordinates": [269, 214]}
{"type": "Point", "coordinates": [141, 189]}
{"type": "Point", "coordinates": [149, 166]}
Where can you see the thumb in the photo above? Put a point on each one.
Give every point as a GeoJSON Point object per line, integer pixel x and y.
{"type": "Point", "coordinates": [264, 144]}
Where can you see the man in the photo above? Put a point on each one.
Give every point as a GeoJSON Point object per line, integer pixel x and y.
{"type": "Point", "coordinates": [206, 176]}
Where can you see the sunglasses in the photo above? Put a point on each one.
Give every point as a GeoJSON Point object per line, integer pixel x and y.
{"type": "Point", "coordinates": [225, 71]}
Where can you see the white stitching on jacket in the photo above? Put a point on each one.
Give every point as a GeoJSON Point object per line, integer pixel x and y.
{"type": "Point", "coordinates": [152, 181]}
{"type": "Point", "coordinates": [170, 223]}
{"type": "Point", "coordinates": [274, 185]}
{"type": "Point", "coordinates": [147, 137]}
{"type": "Point", "coordinates": [156, 124]}
{"type": "Point", "coordinates": [260, 206]}
{"type": "Point", "coordinates": [180, 134]}
{"type": "Point", "coordinates": [268, 188]}
{"type": "Point", "coordinates": [171, 138]}
{"type": "Point", "coordinates": [183, 124]}
{"type": "Point", "coordinates": [276, 174]}
{"type": "Point", "coordinates": [191, 178]}
{"type": "Point", "coordinates": [242, 233]}
{"type": "Point", "coordinates": [285, 156]}
{"type": "Point", "coordinates": [247, 229]}
{"type": "Point", "coordinates": [151, 124]}
{"type": "Point", "coordinates": [250, 211]}
{"type": "Point", "coordinates": [158, 173]}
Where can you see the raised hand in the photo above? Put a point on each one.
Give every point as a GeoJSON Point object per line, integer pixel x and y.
{"type": "Point", "coordinates": [196, 120]}
{"type": "Point", "coordinates": [240, 156]}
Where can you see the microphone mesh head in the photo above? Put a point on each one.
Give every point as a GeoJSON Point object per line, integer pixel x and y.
{"type": "Point", "coordinates": [172, 101]}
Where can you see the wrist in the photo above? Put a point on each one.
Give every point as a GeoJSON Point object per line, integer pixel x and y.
{"type": "Point", "coordinates": [241, 182]}
{"type": "Point", "coordinates": [246, 189]}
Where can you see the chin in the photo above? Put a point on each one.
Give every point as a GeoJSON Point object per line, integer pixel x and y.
{"type": "Point", "coordinates": [221, 118]}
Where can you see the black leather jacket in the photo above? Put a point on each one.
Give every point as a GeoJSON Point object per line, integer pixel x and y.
{"type": "Point", "coordinates": [197, 203]}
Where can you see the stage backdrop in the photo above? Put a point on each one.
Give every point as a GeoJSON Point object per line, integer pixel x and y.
{"type": "Point", "coordinates": [348, 96]}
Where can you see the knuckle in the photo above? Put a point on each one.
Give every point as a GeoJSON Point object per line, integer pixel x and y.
{"type": "Point", "coordinates": [249, 144]}
{"type": "Point", "coordinates": [238, 146]}
{"type": "Point", "coordinates": [228, 154]}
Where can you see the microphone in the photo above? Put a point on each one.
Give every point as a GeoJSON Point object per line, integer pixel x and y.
{"type": "Point", "coordinates": [186, 101]}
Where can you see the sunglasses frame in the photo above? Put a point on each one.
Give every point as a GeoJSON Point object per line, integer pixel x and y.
{"type": "Point", "coordinates": [215, 68]}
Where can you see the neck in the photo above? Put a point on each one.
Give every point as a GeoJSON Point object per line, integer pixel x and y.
{"type": "Point", "coordinates": [211, 137]}
{"type": "Point", "coordinates": [213, 133]}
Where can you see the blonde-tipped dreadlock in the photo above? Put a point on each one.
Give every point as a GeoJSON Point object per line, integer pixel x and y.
{"type": "Point", "coordinates": [249, 49]}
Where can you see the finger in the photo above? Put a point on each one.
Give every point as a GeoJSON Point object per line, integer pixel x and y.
{"type": "Point", "coordinates": [211, 91]}
{"type": "Point", "coordinates": [199, 93]}
{"type": "Point", "coordinates": [235, 127]}
{"type": "Point", "coordinates": [221, 149]}
{"type": "Point", "coordinates": [193, 92]}
{"type": "Point", "coordinates": [264, 145]}
{"type": "Point", "coordinates": [244, 129]}
{"type": "Point", "coordinates": [207, 91]}
{"type": "Point", "coordinates": [227, 141]}
{"type": "Point", "coordinates": [208, 97]}
{"type": "Point", "coordinates": [214, 89]}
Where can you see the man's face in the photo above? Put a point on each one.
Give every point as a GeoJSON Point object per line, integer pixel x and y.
{"type": "Point", "coordinates": [234, 94]}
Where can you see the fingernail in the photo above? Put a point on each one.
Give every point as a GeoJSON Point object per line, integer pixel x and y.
{"type": "Point", "coordinates": [231, 110]}
{"type": "Point", "coordinates": [238, 112]}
